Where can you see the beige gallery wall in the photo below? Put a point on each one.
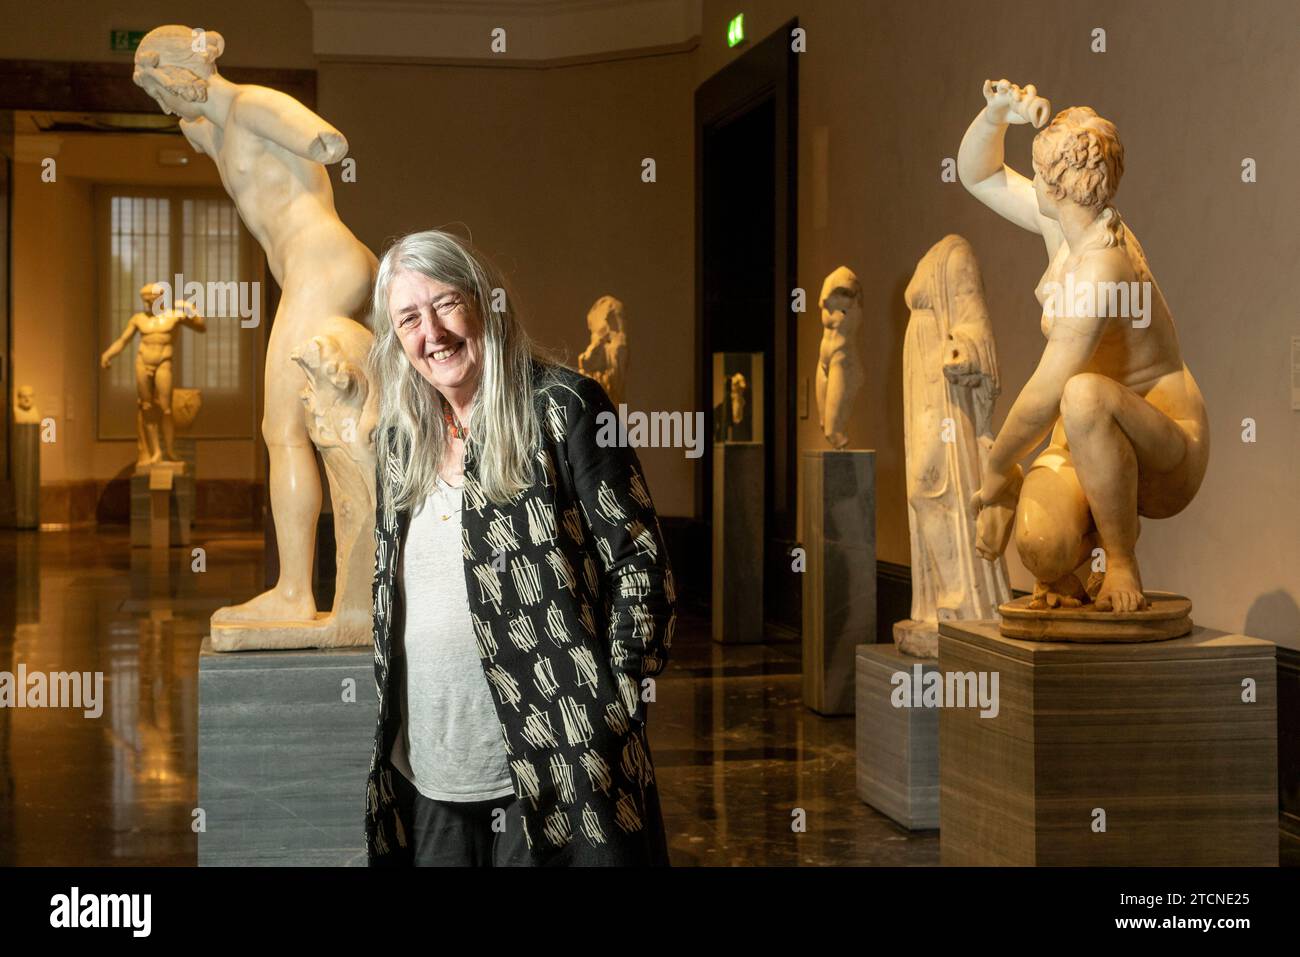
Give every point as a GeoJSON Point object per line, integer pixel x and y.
{"type": "Point", "coordinates": [1194, 86]}
{"type": "Point", "coordinates": [543, 167]}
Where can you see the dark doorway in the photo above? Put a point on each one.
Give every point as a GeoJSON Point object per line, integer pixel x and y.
{"type": "Point", "coordinates": [745, 152]}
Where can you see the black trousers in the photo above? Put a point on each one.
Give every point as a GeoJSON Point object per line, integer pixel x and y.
{"type": "Point", "coordinates": [491, 834]}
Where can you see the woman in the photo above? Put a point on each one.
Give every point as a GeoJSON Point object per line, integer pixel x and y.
{"type": "Point", "coordinates": [1129, 434]}
{"type": "Point", "coordinates": [522, 593]}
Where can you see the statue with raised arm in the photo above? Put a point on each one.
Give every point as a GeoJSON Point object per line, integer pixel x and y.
{"type": "Point", "coordinates": [157, 328]}
{"type": "Point", "coordinates": [1128, 430]}
{"type": "Point", "coordinates": [839, 370]}
{"type": "Point", "coordinates": [950, 383]}
{"type": "Point", "coordinates": [605, 358]}
{"type": "Point", "coordinates": [270, 151]}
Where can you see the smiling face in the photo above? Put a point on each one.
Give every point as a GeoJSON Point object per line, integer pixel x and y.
{"type": "Point", "coordinates": [440, 331]}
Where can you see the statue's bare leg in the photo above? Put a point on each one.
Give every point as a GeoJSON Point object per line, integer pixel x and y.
{"type": "Point", "coordinates": [1054, 533]}
{"type": "Point", "coordinates": [1114, 434]}
{"type": "Point", "coordinates": [144, 385]}
{"type": "Point", "coordinates": [295, 491]}
{"type": "Point", "coordinates": [834, 400]}
{"type": "Point", "coordinates": [821, 396]}
{"type": "Point", "coordinates": [162, 381]}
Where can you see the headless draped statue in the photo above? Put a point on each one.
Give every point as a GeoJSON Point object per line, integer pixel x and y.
{"type": "Point", "coordinates": [270, 151]}
{"type": "Point", "coordinates": [1126, 424]}
{"type": "Point", "coordinates": [950, 382]}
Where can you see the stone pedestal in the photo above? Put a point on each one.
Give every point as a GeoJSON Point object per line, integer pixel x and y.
{"type": "Point", "coordinates": [1152, 742]}
{"type": "Point", "coordinates": [27, 475]}
{"type": "Point", "coordinates": [180, 510]}
{"type": "Point", "coordinates": [839, 583]}
{"type": "Point", "coordinates": [898, 747]}
{"type": "Point", "coordinates": [738, 542]}
{"type": "Point", "coordinates": [283, 756]}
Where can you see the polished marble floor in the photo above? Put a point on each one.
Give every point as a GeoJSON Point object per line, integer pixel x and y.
{"type": "Point", "coordinates": [736, 753]}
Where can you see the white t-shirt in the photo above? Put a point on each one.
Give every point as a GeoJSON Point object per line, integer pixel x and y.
{"type": "Point", "coordinates": [451, 747]}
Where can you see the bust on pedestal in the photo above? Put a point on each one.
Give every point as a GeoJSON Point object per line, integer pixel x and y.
{"type": "Point", "coordinates": [27, 459]}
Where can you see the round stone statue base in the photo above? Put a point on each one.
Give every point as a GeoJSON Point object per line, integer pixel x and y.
{"type": "Point", "coordinates": [1166, 616]}
{"type": "Point", "coordinates": [920, 639]}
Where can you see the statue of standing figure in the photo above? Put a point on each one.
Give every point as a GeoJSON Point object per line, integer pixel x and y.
{"type": "Point", "coordinates": [605, 358]}
{"type": "Point", "coordinates": [1128, 429]}
{"type": "Point", "coordinates": [270, 151]}
{"type": "Point", "coordinates": [157, 328]}
{"type": "Point", "coordinates": [950, 383]}
{"type": "Point", "coordinates": [839, 370]}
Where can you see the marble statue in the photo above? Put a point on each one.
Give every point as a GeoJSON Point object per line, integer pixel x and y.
{"type": "Point", "coordinates": [185, 408]}
{"type": "Point", "coordinates": [839, 371]}
{"type": "Point", "coordinates": [26, 462]}
{"type": "Point", "coordinates": [1128, 430]}
{"type": "Point", "coordinates": [271, 151]}
{"type": "Point", "coordinates": [157, 328]}
{"type": "Point", "coordinates": [605, 358]}
{"type": "Point", "coordinates": [25, 411]}
{"type": "Point", "coordinates": [341, 415]}
{"type": "Point", "coordinates": [738, 391]}
{"type": "Point", "coordinates": [950, 382]}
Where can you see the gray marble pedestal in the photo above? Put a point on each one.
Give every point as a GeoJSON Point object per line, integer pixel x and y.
{"type": "Point", "coordinates": [181, 508]}
{"type": "Point", "coordinates": [738, 542]}
{"type": "Point", "coordinates": [898, 748]}
{"type": "Point", "coordinates": [839, 584]}
{"type": "Point", "coordinates": [27, 475]}
{"type": "Point", "coordinates": [283, 756]}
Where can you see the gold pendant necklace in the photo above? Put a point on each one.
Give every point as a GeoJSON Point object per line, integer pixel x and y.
{"type": "Point", "coordinates": [447, 511]}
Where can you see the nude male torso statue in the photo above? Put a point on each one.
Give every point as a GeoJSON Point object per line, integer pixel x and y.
{"type": "Point", "coordinates": [269, 150]}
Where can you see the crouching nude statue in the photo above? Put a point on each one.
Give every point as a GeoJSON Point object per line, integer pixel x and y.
{"type": "Point", "coordinates": [270, 151]}
{"type": "Point", "coordinates": [1129, 435]}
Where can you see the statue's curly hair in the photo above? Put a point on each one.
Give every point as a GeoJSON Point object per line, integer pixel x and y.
{"type": "Point", "coordinates": [1080, 158]}
{"type": "Point", "coordinates": [174, 57]}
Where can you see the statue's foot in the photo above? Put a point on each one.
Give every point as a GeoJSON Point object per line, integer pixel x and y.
{"type": "Point", "coordinates": [1121, 591]}
{"type": "Point", "coordinates": [1065, 592]}
{"type": "Point", "coordinates": [271, 605]}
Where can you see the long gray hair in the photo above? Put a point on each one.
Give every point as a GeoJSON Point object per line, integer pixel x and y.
{"type": "Point", "coordinates": [504, 432]}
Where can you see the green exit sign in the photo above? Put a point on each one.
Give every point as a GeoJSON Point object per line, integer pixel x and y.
{"type": "Point", "coordinates": [736, 30]}
{"type": "Point", "coordinates": [124, 41]}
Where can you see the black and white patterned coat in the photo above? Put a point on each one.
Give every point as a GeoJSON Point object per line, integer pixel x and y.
{"type": "Point", "coordinates": [571, 600]}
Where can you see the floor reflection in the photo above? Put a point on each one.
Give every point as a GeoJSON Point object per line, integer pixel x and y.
{"type": "Point", "coordinates": [736, 753]}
